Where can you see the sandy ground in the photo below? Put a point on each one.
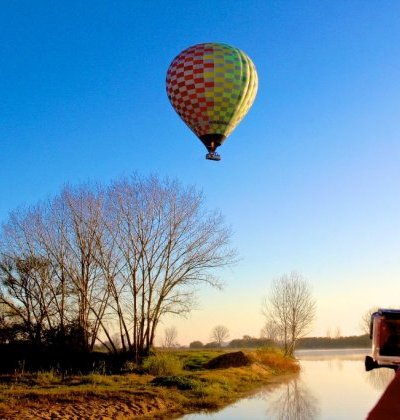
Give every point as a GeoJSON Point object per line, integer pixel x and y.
{"type": "Point", "coordinates": [93, 409]}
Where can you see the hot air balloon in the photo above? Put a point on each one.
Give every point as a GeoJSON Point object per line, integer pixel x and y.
{"type": "Point", "coordinates": [212, 86]}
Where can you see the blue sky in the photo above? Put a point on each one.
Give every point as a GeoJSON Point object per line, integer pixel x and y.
{"type": "Point", "coordinates": [308, 181]}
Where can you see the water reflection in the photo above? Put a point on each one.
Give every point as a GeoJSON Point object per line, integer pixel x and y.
{"type": "Point", "coordinates": [379, 379]}
{"type": "Point", "coordinates": [292, 401]}
{"type": "Point", "coordinates": [335, 364]}
{"type": "Point", "coordinates": [331, 385]}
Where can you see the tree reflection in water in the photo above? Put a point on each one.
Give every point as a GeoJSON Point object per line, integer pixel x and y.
{"type": "Point", "coordinates": [293, 401]}
{"type": "Point", "coordinates": [379, 379]}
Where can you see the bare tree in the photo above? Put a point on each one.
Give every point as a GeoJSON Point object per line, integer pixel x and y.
{"type": "Point", "coordinates": [291, 308]}
{"type": "Point", "coordinates": [270, 331]}
{"type": "Point", "coordinates": [111, 259]}
{"type": "Point", "coordinates": [219, 334]}
{"type": "Point", "coordinates": [338, 332]}
{"type": "Point", "coordinates": [365, 321]}
{"type": "Point", "coordinates": [26, 294]}
{"type": "Point", "coordinates": [49, 266]}
{"type": "Point", "coordinates": [28, 285]}
{"type": "Point", "coordinates": [170, 336]}
{"type": "Point", "coordinates": [167, 245]}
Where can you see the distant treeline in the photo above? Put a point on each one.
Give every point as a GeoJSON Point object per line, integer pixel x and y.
{"type": "Point", "coordinates": [359, 341]}
{"type": "Point", "coordinates": [354, 341]}
{"type": "Point", "coordinates": [246, 342]}
{"type": "Point", "coordinates": [251, 343]}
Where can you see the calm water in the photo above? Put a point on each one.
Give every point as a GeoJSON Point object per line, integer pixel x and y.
{"type": "Point", "coordinates": [331, 385]}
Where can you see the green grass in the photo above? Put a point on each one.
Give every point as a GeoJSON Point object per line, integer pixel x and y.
{"type": "Point", "coordinates": [194, 360]}
{"type": "Point", "coordinates": [177, 378]}
{"type": "Point", "coordinates": [162, 364]}
{"type": "Point", "coordinates": [47, 379]}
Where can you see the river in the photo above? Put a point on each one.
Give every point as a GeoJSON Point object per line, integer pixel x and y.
{"type": "Point", "coordinates": [332, 384]}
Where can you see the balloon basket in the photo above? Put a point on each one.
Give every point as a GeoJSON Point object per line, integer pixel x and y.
{"type": "Point", "coordinates": [213, 156]}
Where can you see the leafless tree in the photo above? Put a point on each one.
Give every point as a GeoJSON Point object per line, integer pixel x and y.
{"type": "Point", "coordinates": [365, 321]}
{"type": "Point", "coordinates": [27, 296]}
{"type": "Point", "coordinates": [329, 332]}
{"type": "Point", "coordinates": [28, 287]}
{"type": "Point", "coordinates": [271, 331]}
{"type": "Point", "coordinates": [49, 265]}
{"type": "Point", "coordinates": [219, 334]}
{"type": "Point", "coordinates": [338, 332]}
{"type": "Point", "coordinates": [167, 245]}
{"type": "Point", "coordinates": [291, 307]}
{"type": "Point", "coordinates": [109, 259]}
{"type": "Point", "coordinates": [170, 336]}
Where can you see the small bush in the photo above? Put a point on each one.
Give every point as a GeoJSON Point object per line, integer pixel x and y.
{"type": "Point", "coordinates": [196, 360]}
{"type": "Point", "coordinates": [162, 364]}
{"type": "Point", "coordinates": [48, 378]}
{"type": "Point", "coordinates": [180, 382]}
{"type": "Point", "coordinates": [129, 367]}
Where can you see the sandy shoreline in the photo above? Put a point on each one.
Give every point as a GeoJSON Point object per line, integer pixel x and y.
{"type": "Point", "coordinates": [94, 408]}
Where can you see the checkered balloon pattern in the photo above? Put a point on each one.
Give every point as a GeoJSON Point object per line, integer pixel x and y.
{"type": "Point", "coordinates": [212, 86]}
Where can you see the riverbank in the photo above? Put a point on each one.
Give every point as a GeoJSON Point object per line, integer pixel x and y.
{"type": "Point", "coordinates": [308, 395]}
{"type": "Point", "coordinates": [206, 380]}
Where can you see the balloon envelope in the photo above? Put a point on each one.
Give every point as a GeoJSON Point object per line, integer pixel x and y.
{"type": "Point", "coordinates": [212, 86]}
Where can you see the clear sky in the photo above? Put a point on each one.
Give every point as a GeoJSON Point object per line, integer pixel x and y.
{"type": "Point", "coordinates": [309, 181]}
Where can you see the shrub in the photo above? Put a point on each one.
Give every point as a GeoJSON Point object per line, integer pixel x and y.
{"type": "Point", "coordinates": [129, 367]}
{"type": "Point", "coordinates": [180, 382]}
{"type": "Point", "coordinates": [197, 360]}
{"type": "Point", "coordinates": [162, 364]}
{"type": "Point", "coordinates": [48, 378]}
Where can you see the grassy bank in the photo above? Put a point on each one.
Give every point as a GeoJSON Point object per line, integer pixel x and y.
{"type": "Point", "coordinates": [169, 384]}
